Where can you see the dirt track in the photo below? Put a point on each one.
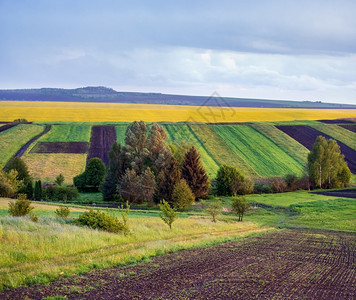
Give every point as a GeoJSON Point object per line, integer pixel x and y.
{"type": "Point", "coordinates": [288, 264]}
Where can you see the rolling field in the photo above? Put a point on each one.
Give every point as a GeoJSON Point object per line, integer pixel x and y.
{"type": "Point", "coordinates": [284, 141]}
{"type": "Point", "coordinates": [180, 132]}
{"type": "Point", "coordinates": [120, 133]}
{"type": "Point", "coordinates": [67, 133]}
{"type": "Point", "coordinates": [338, 133]}
{"type": "Point", "coordinates": [307, 135]}
{"type": "Point", "coordinates": [220, 150]}
{"type": "Point", "coordinates": [13, 139]}
{"type": "Point", "coordinates": [48, 166]}
{"type": "Point", "coordinates": [265, 157]}
{"type": "Point", "coordinates": [101, 112]}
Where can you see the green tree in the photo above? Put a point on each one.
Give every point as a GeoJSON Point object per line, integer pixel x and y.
{"type": "Point", "coordinates": [92, 177]}
{"type": "Point", "coordinates": [214, 210]}
{"type": "Point", "coordinates": [28, 190]}
{"type": "Point", "coordinates": [179, 151]}
{"type": "Point", "coordinates": [326, 165]}
{"type": "Point", "coordinates": [194, 174]}
{"type": "Point", "coordinates": [113, 173]}
{"type": "Point", "coordinates": [20, 166]}
{"type": "Point", "coordinates": [9, 184]}
{"type": "Point", "coordinates": [182, 196]}
{"type": "Point", "coordinates": [166, 181]}
{"type": "Point", "coordinates": [147, 186]}
{"type": "Point", "coordinates": [59, 180]}
{"type": "Point", "coordinates": [240, 205]}
{"type": "Point", "coordinates": [167, 213]}
{"type": "Point", "coordinates": [230, 182]}
{"type": "Point", "coordinates": [38, 190]}
{"type": "Point", "coordinates": [129, 187]}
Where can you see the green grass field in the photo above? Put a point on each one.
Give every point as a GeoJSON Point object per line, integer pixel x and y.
{"type": "Point", "coordinates": [120, 133]}
{"type": "Point", "coordinates": [68, 133]}
{"type": "Point", "coordinates": [219, 149]}
{"type": "Point", "coordinates": [284, 141]}
{"type": "Point", "coordinates": [338, 133]}
{"type": "Point", "coordinates": [180, 132]}
{"type": "Point", "coordinates": [13, 139]}
{"type": "Point", "coordinates": [266, 158]}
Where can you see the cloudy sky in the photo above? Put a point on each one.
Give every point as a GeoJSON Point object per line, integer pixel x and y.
{"type": "Point", "coordinates": [279, 49]}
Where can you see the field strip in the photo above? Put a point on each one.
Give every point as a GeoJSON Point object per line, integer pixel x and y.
{"type": "Point", "coordinates": [118, 112]}
{"type": "Point", "coordinates": [123, 252]}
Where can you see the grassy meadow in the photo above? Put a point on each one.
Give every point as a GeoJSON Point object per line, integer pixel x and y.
{"type": "Point", "coordinates": [118, 112]}
{"type": "Point", "coordinates": [13, 139]}
{"type": "Point", "coordinates": [67, 133]}
{"type": "Point", "coordinates": [40, 252]}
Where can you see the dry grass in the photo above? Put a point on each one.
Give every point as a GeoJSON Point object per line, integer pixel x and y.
{"type": "Point", "coordinates": [48, 166]}
{"type": "Point", "coordinates": [119, 112]}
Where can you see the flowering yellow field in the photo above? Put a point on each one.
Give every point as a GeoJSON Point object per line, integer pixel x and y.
{"type": "Point", "coordinates": [119, 112]}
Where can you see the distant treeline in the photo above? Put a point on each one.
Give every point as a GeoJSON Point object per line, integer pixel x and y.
{"type": "Point", "coordinates": [104, 94]}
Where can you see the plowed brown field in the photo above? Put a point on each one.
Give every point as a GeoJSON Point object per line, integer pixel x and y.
{"type": "Point", "coordinates": [288, 264]}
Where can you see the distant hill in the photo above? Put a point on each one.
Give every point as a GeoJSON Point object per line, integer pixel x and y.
{"type": "Point", "coordinates": [108, 95]}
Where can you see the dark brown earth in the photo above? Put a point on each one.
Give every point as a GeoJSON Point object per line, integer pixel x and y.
{"type": "Point", "coordinates": [101, 140]}
{"type": "Point", "coordinates": [349, 127]}
{"type": "Point", "coordinates": [348, 193]}
{"type": "Point", "coordinates": [7, 126]}
{"type": "Point", "coordinates": [288, 264]}
{"type": "Point", "coordinates": [307, 135]}
{"type": "Point", "coordinates": [338, 121]}
{"type": "Point", "coordinates": [61, 147]}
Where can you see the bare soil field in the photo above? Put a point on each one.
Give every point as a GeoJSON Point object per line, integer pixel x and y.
{"type": "Point", "coordinates": [337, 121]}
{"type": "Point", "coordinates": [307, 136]}
{"type": "Point", "coordinates": [61, 147]}
{"type": "Point", "coordinates": [7, 126]}
{"type": "Point", "coordinates": [287, 264]}
{"type": "Point", "coordinates": [101, 139]}
{"type": "Point", "coordinates": [349, 127]}
{"type": "Point", "coordinates": [348, 193]}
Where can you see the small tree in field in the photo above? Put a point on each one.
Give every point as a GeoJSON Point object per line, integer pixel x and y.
{"type": "Point", "coordinates": [240, 205]}
{"type": "Point", "coordinates": [214, 210]}
{"type": "Point", "coordinates": [167, 214]}
{"type": "Point", "coordinates": [21, 207]}
{"type": "Point", "coordinates": [59, 179]}
{"type": "Point", "coordinates": [182, 196]}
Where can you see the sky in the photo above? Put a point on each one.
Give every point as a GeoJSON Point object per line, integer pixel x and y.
{"type": "Point", "coordinates": [269, 49]}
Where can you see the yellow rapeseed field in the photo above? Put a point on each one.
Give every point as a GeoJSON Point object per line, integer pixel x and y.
{"type": "Point", "coordinates": [119, 112]}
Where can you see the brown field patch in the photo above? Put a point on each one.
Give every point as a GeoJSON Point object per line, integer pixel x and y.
{"type": "Point", "coordinates": [60, 147]}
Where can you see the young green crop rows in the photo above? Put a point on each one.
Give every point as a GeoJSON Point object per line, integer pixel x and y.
{"type": "Point", "coordinates": [68, 133]}
{"type": "Point", "coordinates": [264, 156]}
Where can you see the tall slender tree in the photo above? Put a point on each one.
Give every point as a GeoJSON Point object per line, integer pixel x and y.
{"type": "Point", "coordinates": [194, 174]}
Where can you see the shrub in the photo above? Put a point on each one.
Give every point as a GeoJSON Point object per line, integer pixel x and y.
{"type": "Point", "coordinates": [278, 185]}
{"type": "Point", "coordinates": [230, 182]}
{"type": "Point", "coordinates": [167, 214]}
{"type": "Point", "coordinates": [62, 212]}
{"type": "Point", "coordinates": [97, 219]}
{"type": "Point", "coordinates": [59, 179]}
{"type": "Point", "coordinates": [21, 207]}
{"type": "Point", "coordinates": [214, 210]}
{"type": "Point", "coordinates": [60, 193]}
{"type": "Point", "coordinates": [34, 217]}
{"type": "Point", "coordinates": [240, 205]}
{"type": "Point", "coordinates": [182, 196]}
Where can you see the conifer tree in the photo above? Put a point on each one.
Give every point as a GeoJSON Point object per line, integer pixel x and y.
{"type": "Point", "coordinates": [194, 174]}
{"type": "Point", "coordinates": [38, 190]}
{"type": "Point", "coordinates": [166, 181]}
{"type": "Point", "coordinates": [147, 186]}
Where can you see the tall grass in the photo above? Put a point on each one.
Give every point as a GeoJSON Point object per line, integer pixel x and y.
{"type": "Point", "coordinates": [38, 252]}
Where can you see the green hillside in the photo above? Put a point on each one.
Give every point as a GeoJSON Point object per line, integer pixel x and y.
{"type": "Point", "coordinates": [284, 141]}
{"type": "Point", "coordinates": [68, 133]}
{"type": "Point", "coordinates": [264, 156]}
